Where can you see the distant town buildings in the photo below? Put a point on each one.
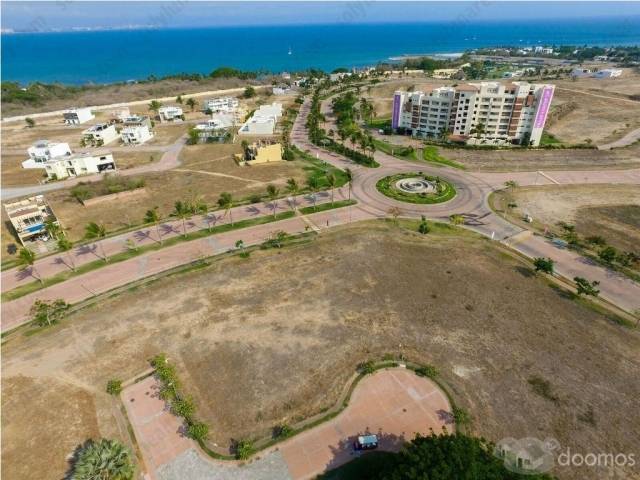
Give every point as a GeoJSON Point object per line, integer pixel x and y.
{"type": "Point", "coordinates": [282, 90]}
{"type": "Point", "coordinates": [445, 73]}
{"type": "Point", "coordinates": [77, 116]}
{"type": "Point", "coordinates": [221, 104]}
{"type": "Point", "coordinates": [99, 135]}
{"type": "Point", "coordinates": [263, 121]}
{"type": "Point", "coordinates": [477, 113]}
{"type": "Point", "coordinates": [28, 217]}
{"type": "Point", "coordinates": [260, 152]}
{"type": "Point", "coordinates": [588, 72]}
{"type": "Point", "coordinates": [170, 113]}
{"type": "Point", "coordinates": [42, 151]}
{"type": "Point", "coordinates": [79, 164]}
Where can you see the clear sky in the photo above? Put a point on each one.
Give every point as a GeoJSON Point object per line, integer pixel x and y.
{"type": "Point", "coordinates": [68, 14]}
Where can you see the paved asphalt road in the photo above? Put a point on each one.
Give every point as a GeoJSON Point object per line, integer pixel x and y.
{"type": "Point", "coordinates": [471, 202]}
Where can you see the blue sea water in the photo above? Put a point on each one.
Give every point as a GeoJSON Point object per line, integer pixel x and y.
{"type": "Point", "coordinates": [109, 56]}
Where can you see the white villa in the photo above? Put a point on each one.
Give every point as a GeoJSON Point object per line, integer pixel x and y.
{"type": "Point", "coordinates": [28, 217]}
{"type": "Point", "coordinates": [221, 104]}
{"type": "Point", "coordinates": [137, 121]}
{"type": "Point", "coordinates": [119, 114]}
{"type": "Point", "coordinates": [263, 121]}
{"type": "Point", "coordinates": [79, 164]}
{"type": "Point", "coordinates": [42, 151]}
{"type": "Point", "coordinates": [76, 116]}
{"type": "Point", "coordinates": [281, 90]}
{"type": "Point", "coordinates": [170, 113]}
{"type": "Point", "coordinates": [607, 73]}
{"type": "Point", "coordinates": [100, 134]}
{"type": "Point", "coordinates": [136, 134]}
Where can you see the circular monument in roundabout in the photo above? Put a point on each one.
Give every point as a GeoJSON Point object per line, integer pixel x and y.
{"type": "Point", "coordinates": [415, 187]}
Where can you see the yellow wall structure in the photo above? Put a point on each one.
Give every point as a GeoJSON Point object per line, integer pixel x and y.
{"type": "Point", "coordinates": [263, 154]}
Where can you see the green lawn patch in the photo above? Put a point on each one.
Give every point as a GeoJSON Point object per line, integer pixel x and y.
{"type": "Point", "coordinates": [387, 186]}
{"type": "Point", "coordinates": [119, 257]}
{"type": "Point", "coordinates": [430, 154]}
{"type": "Point", "coordinates": [326, 206]}
{"type": "Point", "coordinates": [380, 123]}
{"type": "Point", "coordinates": [407, 153]}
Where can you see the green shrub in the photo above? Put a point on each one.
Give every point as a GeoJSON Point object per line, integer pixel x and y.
{"type": "Point", "coordinates": [427, 371]}
{"type": "Point", "coordinates": [367, 368]}
{"type": "Point", "coordinates": [461, 416]}
{"type": "Point", "coordinates": [282, 431]}
{"type": "Point", "coordinates": [244, 449]}
{"type": "Point", "coordinates": [114, 387]}
{"type": "Point", "coordinates": [198, 431]}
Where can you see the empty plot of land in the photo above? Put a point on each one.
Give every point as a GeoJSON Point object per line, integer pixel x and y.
{"type": "Point", "coordinates": [273, 339]}
{"type": "Point", "coordinates": [610, 211]}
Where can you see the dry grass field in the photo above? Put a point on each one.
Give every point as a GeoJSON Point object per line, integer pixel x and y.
{"type": "Point", "coordinates": [611, 211]}
{"type": "Point", "coordinates": [273, 338]}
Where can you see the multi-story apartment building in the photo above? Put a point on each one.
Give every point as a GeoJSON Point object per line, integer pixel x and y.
{"type": "Point", "coordinates": [491, 113]}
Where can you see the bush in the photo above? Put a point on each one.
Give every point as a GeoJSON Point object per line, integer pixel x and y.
{"type": "Point", "coordinates": [428, 371]}
{"type": "Point", "coordinates": [244, 449]}
{"type": "Point", "coordinates": [183, 408]}
{"type": "Point", "coordinates": [114, 387]}
{"type": "Point", "coordinates": [543, 265]}
{"type": "Point", "coordinates": [282, 431]}
{"type": "Point", "coordinates": [461, 416]}
{"type": "Point", "coordinates": [198, 431]}
{"type": "Point", "coordinates": [367, 368]}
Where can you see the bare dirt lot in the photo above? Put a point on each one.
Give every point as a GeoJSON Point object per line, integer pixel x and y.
{"type": "Point", "coordinates": [207, 171]}
{"type": "Point", "coordinates": [611, 211]}
{"type": "Point", "coordinates": [273, 338]}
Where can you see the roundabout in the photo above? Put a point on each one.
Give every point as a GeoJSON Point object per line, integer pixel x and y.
{"type": "Point", "coordinates": [415, 187]}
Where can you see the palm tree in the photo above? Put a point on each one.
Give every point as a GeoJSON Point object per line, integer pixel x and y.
{"type": "Point", "coordinates": [154, 106]}
{"type": "Point", "coordinates": [27, 258]}
{"type": "Point", "coordinates": [192, 103]}
{"type": "Point", "coordinates": [182, 210]}
{"type": "Point", "coordinates": [65, 245]}
{"type": "Point", "coordinates": [331, 181]}
{"type": "Point", "coordinates": [511, 184]}
{"type": "Point", "coordinates": [349, 174]}
{"type": "Point", "coordinates": [314, 185]}
{"type": "Point", "coordinates": [293, 188]}
{"type": "Point", "coordinates": [96, 230]}
{"type": "Point", "coordinates": [226, 201]}
{"type": "Point", "coordinates": [103, 460]}
{"type": "Point", "coordinates": [52, 228]}
{"type": "Point", "coordinates": [152, 216]}
{"type": "Point", "coordinates": [240, 245]}
{"type": "Point", "coordinates": [272, 193]}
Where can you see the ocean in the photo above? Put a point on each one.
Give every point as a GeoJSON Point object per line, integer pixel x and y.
{"type": "Point", "coordinates": [121, 55]}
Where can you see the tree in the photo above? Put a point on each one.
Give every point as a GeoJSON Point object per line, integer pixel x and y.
{"type": "Point", "coordinates": [293, 188]}
{"type": "Point", "coordinates": [249, 92]}
{"type": "Point", "coordinates": [191, 102]}
{"type": "Point", "coordinates": [65, 245]}
{"type": "Point", "coordinates": [272, 193]}
{"type": "Point", "coordinates": [193, 136]}
{"type": "Point", "coordinates": [584, 287]}
{"type": "Point", "coordinates": [448, 456]}
{"type": "Point", "coordinates": [153, 216]}
{"type": "Point", "coordinates": [183, 211]}
{"type": "Point", "coordinates": [103, 460]}
{"type": "Point", "coordinates": [95, 230]}
{"type": "Point", "coordinates": [314, 185]}
{"type": "Point", "coordinates": [183, 407]}
{"type": "Point", "coordinates": [114, 387]}
{"type": "Point", "coordinates": [608, 254]}
{"type": "Point", "coordinates": [179, 99]}
{"type": "Point", "coordinates": [47, 312]}
{"type": "Point", "coordinates": [53, 228]}
{"type": "Point", "coordinates": [395, 212]}
{"type": "Point", "coordinates": [544, 265]}
{"type": "Point", "coordinates": [30, 122]}
{"type": "Point", "coordinates": [27, 258]}
{"type": "Point", "coordinates": [240, 246]}
{"type": "Point", "coordinates": [456, 219]}
{"type": "Point", "coordinates": [155, 106]}
{"type": "Point", "coordinates": [349, 174]}
{"type": "Point", "coordinates": [331, 181]}
{"type": "Point", "coordinates": [423, 228]}
{"type": "Point", "coordinates": [226, 201]}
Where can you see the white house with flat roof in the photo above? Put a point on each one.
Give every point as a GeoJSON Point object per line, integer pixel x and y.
{"type": "Point", "coordinates": [170, 113]}
{"type": "Point", "coordinates": [79, 164]}
{"type": "Point", "coordinates": [100, 134]}
{"type": "Point", "coordinates": [221, 104]}
{"type": "Point", "coordinates": [42, 151]}
{"type": "Point", "coordinates": [607, 73]}
{"type": "Point", "coordinates": [136, 134]}
{"type": "Point", "coordinates": [119, 114]}
{"type": "Point", "coordinates": [76, 116]}
{"type": "Point", "coordinates": [263, 121]}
